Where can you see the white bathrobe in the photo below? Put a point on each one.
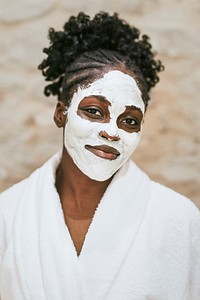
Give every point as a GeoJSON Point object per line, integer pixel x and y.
{"type": "Point", "coordinates": [143, 242]}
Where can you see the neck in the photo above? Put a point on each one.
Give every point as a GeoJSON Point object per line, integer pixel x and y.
{"type": "Point", "coordinates": [79, 194]}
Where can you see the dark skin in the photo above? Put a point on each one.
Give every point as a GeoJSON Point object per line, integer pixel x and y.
{"type": "Point", "coordinates": [78, 201]}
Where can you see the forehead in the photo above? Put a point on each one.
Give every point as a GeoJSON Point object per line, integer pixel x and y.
{"type": "Point", "coordinates": [118, 88]}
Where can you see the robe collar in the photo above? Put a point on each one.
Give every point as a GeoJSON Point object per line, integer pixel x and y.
{"type": "Point", "coordinates": [42, 249]}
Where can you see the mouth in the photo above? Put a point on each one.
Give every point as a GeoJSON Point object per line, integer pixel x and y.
{"type": "Point", "coordinates": [103, 151]}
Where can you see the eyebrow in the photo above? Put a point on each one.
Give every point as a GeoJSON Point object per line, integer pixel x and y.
{"type": "Point", "coordinates": [99, 97]}
{"type": "Point", "coordinates": [133, 107]}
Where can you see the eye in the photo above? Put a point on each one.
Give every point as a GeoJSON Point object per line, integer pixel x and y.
{"type": "Point", "coordinates": [130, 121]}
{"type": "Point", "coordinates": [93, 111]}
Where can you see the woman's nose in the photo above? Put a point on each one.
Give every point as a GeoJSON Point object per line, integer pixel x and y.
{"type": "Point", "coordinates": [108, 137]}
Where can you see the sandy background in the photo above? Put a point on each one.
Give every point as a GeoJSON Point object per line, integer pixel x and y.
{"type": "Point", "coordinates": [170, 147]}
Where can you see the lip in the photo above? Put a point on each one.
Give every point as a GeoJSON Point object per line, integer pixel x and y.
{"type": "Point", "coordinates": [103, 151]}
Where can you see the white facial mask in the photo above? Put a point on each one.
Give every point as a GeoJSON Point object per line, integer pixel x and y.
{"type": "Point", "coordinates": [120, 90]}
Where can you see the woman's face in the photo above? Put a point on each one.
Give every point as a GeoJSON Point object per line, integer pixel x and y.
{"type": "Point", "coordinates": [103, 125]}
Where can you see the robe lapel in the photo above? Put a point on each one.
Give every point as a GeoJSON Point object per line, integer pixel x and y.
{"type": "Point", "coordinates": [42, 250]}
{"type": "Point", "coordinates": [113, 230]}
{"type": "Point", "coordinates": [57, 252]}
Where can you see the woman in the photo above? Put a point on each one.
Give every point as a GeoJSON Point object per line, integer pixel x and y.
{"type": "Point", "coordinates": [89, 224]}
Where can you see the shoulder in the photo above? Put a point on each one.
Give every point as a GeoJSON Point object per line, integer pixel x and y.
{"type": "Point", "coordinates": [167, 197]}
{"type": "Point", "coordinates": [10, 198]}
{"type": "Point", "coordinates": [9, 202]}
{"type": "Point", "coordinates": [173, 207]}
{"type": "Point", "coordinates": [163, 201]}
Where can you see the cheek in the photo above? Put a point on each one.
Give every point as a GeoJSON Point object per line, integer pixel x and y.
{"type": "Point", "coordinates": [130, 140]}
{"type": "Point", "coordinates": [81, 128]}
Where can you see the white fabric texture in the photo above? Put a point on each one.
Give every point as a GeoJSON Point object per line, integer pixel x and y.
{"type": "Point", "coordinates": [143, 242]}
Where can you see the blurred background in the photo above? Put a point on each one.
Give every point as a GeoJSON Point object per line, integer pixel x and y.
{"type": "Point", "coordinates": [170, 147]}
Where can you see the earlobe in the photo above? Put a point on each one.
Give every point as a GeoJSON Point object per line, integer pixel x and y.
{"type": "Point", "coordinates": [60, 114]}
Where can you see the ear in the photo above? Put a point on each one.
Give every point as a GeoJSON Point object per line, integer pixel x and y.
{"type": "Point", "coordinates": [59, 114]}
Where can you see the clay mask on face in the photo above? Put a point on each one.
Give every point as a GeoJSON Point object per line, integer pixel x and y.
{"type": "Point", "coordinates": [121, 91]}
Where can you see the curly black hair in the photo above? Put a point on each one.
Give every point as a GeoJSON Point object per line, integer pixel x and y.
{"type": "Point", "coordinates": [103, 36]}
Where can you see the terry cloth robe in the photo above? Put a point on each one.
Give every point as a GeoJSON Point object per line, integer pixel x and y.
{"type": "Point", "coordinates": [143, 242]}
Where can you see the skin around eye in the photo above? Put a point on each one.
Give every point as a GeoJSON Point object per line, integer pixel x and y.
{"type": "Point", "coordinates": [130, 122]}
{"type": "Point", "coordinates": [130, 125]}
{"type": "Point", "coordinates": [131, 119]}
{"type": "Point", "coordinates": [97, 112]}
{"type": "Point", "coordinates": [94, 114]}
{"type": "Point", "coordinates": [94, 109]}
